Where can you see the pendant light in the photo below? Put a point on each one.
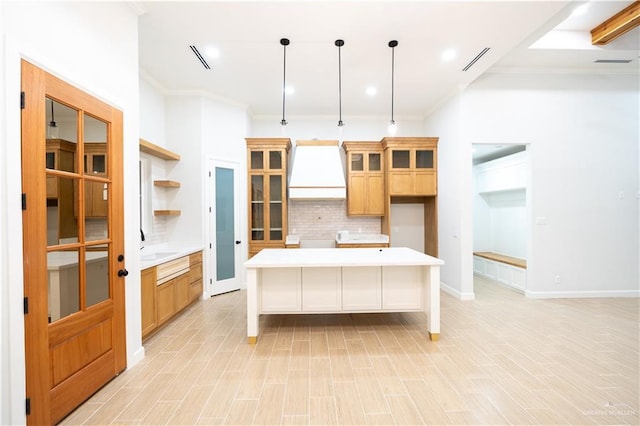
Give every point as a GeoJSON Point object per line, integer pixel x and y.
{"type": "Point", "coordinates": [52, 128]}
{"type": "Point", "coordinates": [284, 42]}
{"type": "Point", "coordinates": [340, 43]}
{"type": "Point", "coordinates": [392, 123]}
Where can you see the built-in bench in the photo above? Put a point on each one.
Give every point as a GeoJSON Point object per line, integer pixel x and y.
{"type": "Point", "coordinates": [513, 261]}
{"type": "Point", "coordinates": [507, 270]}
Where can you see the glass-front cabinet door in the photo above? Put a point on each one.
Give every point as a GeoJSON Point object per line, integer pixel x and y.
{"type": "Point", "coordinates": [267, 169]}
{"type": "Point", "coordinates": [412, 166]}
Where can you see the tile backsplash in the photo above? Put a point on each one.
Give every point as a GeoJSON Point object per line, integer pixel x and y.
{"type": "Point", "coordinates": [322, 219]}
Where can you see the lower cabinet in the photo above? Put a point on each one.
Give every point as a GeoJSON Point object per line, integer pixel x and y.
{"type": "Point", "coordinates": [342, 289]}
{"type": "Point", "coordinates": [160, 303]}
{"type": "Point", "coordinates": [148, 282]}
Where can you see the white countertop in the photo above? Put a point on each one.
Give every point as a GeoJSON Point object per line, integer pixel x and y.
{"type": "Point", "coordinates": [310, 257]}
{"type": "Point", "coordinates": [153, 255]}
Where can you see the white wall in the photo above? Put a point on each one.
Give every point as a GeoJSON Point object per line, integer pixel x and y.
{"type": "Point", "coordinates": [103, 62]}
{"type": "Point", "coordinates": [583, 135]}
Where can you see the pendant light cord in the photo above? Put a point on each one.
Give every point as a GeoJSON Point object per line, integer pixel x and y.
{"type": "Point", "coordinates": [340, 43]}
{"type": "Point", "coordinates": [392, 45]}
{"type": "Point", "coordinates": [284, 42]}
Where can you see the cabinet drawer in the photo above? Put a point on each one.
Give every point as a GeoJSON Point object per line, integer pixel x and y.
{"type": "Point", "coordinates": [195, 273]}
{"type": "Point", "coordinates": [172, 269]}
{"type": "Point", "coordinates": [195, 258]}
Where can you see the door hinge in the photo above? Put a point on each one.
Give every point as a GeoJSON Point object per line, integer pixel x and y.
{"type": "Point", "coordinates": [210, 280]}
{"type": "Point", "coordinates": [27, 406]}
{"type": "Point", "coordinates": [209, 209]}
{"type": "Point", "coordinates": [22, 96]}
{"type": "Point", "coordinates": [26, 305]}
{"type": "Point", "coordinates": [210, 245]}
{"type": "Point", "coordinates": [24, 201]}
{"type": "Point", "coordinates": [209, 173]}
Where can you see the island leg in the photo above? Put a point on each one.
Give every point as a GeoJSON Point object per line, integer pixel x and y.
{"type": "Point", "coordinates": [252, 305]}
{"type": "Point", "coordinates": [432, 301]}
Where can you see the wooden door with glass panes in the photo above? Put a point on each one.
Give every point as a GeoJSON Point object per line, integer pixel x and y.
{"type": "Point", "coordinates": [267, 189]}
{"type": "Point", "coordinates": [73, 258]}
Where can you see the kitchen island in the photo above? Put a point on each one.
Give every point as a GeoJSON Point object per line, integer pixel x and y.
{"type": "Point", "coordinates": [347, 280]}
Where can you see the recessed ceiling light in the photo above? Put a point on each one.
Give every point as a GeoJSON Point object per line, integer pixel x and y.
{"type": "Point", "coordinates": [371, 91]}
{"type": "Point", "coordinates": [289, 90]}
{"type": "Point", "coordinates": [448, 55]}
{"type": "Point", "coordinates": [212, 52]}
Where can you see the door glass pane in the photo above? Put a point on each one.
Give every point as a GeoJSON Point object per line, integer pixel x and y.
{"type": "Point", "coordinates": [357, 162]}
{"type": "Point", "coordinates": [63, 283]}
{"type": "Point", "coordinates": [225, 226]}
{"type": "Point", "coordinates": [275, 160]}
{"type": "Point", "coordinates": [97, 274]}
{"type": "Point", "coordinates": [400, 159]}
{"type": "Point", "coordinates": [62, 221]}
{"type": "Point", "coordinates": [424, 159]}
{"type": "Point", "coordinates": [275, 207]}
{"type": "Point", "coordinates": [99, 163]}
{"type": "Point", "coordinates": [374, 162]}
{"type": "Point", "coordinates": [257, 208]}
{"type": "Point", "coordinates": [256, 160]}
{"type": "Point", "coordinates": [62, 122]}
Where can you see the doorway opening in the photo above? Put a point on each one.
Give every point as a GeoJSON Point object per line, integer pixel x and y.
{"type": "Point", "coordinates": [501, 214]}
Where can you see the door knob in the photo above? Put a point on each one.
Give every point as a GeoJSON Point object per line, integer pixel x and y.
{"type": "Point", "coordinates": [123, 273]}
{"type": "Point", "coordinates": [238, 241]}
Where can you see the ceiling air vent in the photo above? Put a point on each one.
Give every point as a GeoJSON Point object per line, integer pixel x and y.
{"type": "Point", "coordinates": [474, 60]}
{"type": "Point", "coordinates": [200, 57]}
{"type": "Point", "coordinates": [612, 61]}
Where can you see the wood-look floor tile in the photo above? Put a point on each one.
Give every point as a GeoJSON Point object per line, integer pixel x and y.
{"type": "Point", "coordinates": [322, 411]}
{"type": "Point", "coordinates": [501, 359]}
{"type": "Point", "coordinates": [269, 408]}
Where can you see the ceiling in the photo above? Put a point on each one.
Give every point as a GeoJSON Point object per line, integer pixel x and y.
{"type": "Point", "coordinates": [249, 68]}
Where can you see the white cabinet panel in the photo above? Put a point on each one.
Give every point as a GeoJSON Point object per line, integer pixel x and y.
{"type": "Point", "coordinates": [490, 270]}
{"type": "Point", "coordinates": [280, 290]}
{"type": "Point", "coordinates": [321, 289]}
{"type": "Point", "coordinates": [519, 277]}
{"type": "Point", "coordinates": [503, 273]}
{"type": "Point", "coordinates": [361, 288]}
{"type": "Point", "coordinates": [478, 265]}
{"type": "Point", "coordinates": [402, 287]}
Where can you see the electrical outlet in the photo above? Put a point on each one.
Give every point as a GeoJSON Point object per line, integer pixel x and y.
{"type": "Point", "coordinates": [556, 279]}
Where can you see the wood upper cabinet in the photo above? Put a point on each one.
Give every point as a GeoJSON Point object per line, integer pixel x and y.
{"type": "Point", "coordinates": [365, 178]}
{"type": "Point", "coordinates": [267, 189]}
{"type": "Point", "coordinates": [96, 193]}
{"type": "Point", "coordinates": [411, 165]}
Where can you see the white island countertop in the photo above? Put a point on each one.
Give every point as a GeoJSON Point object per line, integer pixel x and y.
{"type": "Point", "coordinates": [314, 257]}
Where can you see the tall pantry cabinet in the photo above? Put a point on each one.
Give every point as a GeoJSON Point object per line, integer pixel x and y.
{"type": "Point", "coordinates": [267, 189]}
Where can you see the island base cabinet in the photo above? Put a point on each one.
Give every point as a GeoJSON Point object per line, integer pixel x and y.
{"type": "Point", "coordinates": [361, 288]}
{"type": "Point", "coordinates": [280, 291]}
{"type": "Point", "coordinates": [321, 290]}
{"type": "Point", "coordinates": [402, 287]}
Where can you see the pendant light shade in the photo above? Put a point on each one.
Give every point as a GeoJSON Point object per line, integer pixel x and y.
{"type": "Point", "coordinates": [284, 42]}
{"type": "Point", "coordinates": [340, 43]}
{"type": "Point", "coordinates": [52, 128]}
{"type": "Point", "coordinates": [392, 123]}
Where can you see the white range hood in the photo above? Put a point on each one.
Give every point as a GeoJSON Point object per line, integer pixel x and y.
{"type": "Point", "coordinates": [316, 172]}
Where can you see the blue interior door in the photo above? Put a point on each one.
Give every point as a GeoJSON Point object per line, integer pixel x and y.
{"type": "Point", "coordinates": [225, 275]}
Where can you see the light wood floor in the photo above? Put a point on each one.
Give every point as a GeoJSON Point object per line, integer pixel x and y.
{"type": "Point", "coordinates": [501, 359]}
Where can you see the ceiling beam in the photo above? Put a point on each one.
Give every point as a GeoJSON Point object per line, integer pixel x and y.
{"type": "Point", "coordinates": [623, 21]}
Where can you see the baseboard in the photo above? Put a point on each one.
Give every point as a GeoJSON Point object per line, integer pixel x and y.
{"type": "Point", "coordinates": [136, 357]}
{"type": "Point", "coordinates": [455, 293]}
{"type": "Point", "coordinates": [580, 294]}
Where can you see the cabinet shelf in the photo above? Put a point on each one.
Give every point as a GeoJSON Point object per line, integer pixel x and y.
{"type": "Point", "coordinates": [158, 151]}
{"type": "Point", "coordinates": [166, 183]}
{"type": "Point", "coordinates": [166, 212]}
